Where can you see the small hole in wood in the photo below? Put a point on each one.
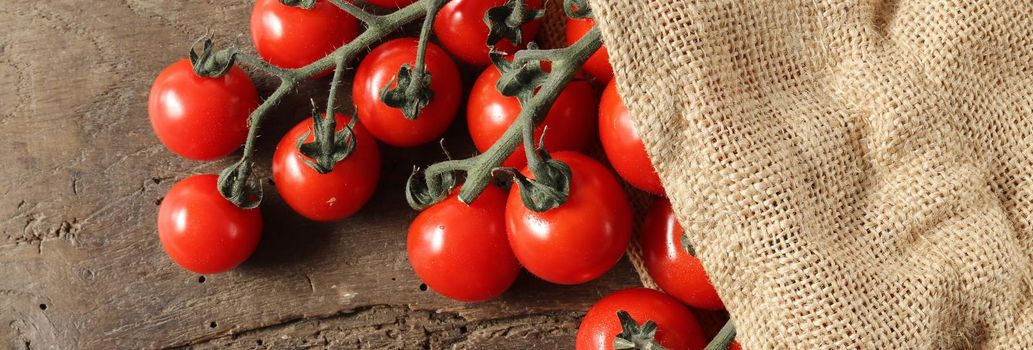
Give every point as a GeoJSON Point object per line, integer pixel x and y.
{"type": "Point", "coordinates": [42, 306]}
{"type": "Point", "coordinates": [213, 324]}
{"type": "Point", "coordinates": [463, 329]}
{"type": "Point", "coordinates": [200, 279]}
{"type": "Point", "coordinates": [423, 287]}
{"type": "Point", "coordinates": [259, 342]}
{"type": "Point", "coordinates": [158, 201]}
{"type": "Point", "coordinates": [394, 279]}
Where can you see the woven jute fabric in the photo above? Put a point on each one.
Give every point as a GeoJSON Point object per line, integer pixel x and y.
{"type": "Point", "coordinates": [854, 174]}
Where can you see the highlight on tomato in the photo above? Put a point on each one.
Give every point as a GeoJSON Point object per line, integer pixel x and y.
{"type": "Point", "coordinates": [460, 250]}
{"type": "Point", "coordinates": [461, 29]}
{"type": "Point", "coordinates": [389, 124]}
{"type": "Point", "coordinates": [571, 120]}
{"type": "Point", "coordinates": [582, 238]}
{"type": "Point", "coordinates": [622, 144]}
{"type": "Point", "coordinates": [597, 65]}
{"type": "Point", "coordinates": [668, 261]}
{"type": "Point", "coordinates": [294, 37]}
{"type": "Point", "coordinates": [337, 194]}
{"type": "Point", "coordinates": [675, 327]}
{"type": "Point", "coordinates": [198, 117]}
{"type": "Point", "coordinates": [202, 231]}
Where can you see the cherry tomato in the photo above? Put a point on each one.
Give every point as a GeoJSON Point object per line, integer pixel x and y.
{"type": "Point", "coordinates": [582, 238]}
{"type": "Point", "coordinates": [201, 118]}
{"type": "Point", "coordinates": [622, 144]}
{"type": "Point", "coordinates": [677, 328]}
{"type": "Point", "coordinates": [735, 346]}
{"type": "Point", "coordinates": [203, 232]}
{"type": "Point", "coordinates": [598, 65]}
{"type": "Point", "coordinates": [571, 120]}
{"type": "Point", "coordinates": [293, 37]}
{"type": "Point", "coordinates": [676, 272]}
{"type": "Point", "coordinates": [460, 28]}
{"type": "Point", "coordinates": [390, 3]}
{"type": "Point", "coordinates": [334, 195]}
{"type": "Point", "coordinates": [388, 124]}
{"type": "Point", "coordinates": [460, 250]}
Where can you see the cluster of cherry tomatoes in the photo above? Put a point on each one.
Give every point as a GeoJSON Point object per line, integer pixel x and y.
{"type": "Point", "coordinates": [467, 252]}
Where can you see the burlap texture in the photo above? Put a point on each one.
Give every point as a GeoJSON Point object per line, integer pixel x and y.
{"type": "Point", "coordinates": [855, 174]}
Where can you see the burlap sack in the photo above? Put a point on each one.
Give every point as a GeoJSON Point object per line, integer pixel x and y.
{"type": "Point", "coordinates": [855, 174]}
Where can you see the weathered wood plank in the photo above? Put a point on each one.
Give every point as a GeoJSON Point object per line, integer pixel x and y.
{"type": "Point", "coordinates": [81, 174]}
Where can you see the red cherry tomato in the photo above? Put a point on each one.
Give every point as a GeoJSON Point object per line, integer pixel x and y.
{"type": "Point", "coordinates": [390, 3]}
{"type": "Point", "coordinates": [293, 37]}
{"type": "Point", "coordinates": [203, 232]}
{"type": "Point", "coordinates": [201, 118]}
{"type": "Point", "coordinates": [579, 240]}
{"type": "Point", "coordinates": [598, 65]}
{"type": "Point", "coordinates": [735, 346]}
{"type": "Point", "coordinates": [460, 250]}
{"type": "Point", "coordinates": [571, 120]}
{"type": "Point", "coordinates": [622, 144]}
{"type": "Point", "coordinates": [334, 195]}
{"type": "Point", "coordinates": [460, 28]}
{"type": "Point", "coordinates": [677, 328]}
{"type": "Point", "coordinates": [388, 124]}
{"type": "Point", "coordinates": [679, 274]}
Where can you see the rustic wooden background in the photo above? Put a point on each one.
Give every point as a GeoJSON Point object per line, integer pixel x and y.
{"type": "Point", "coordinates": [81, 175]}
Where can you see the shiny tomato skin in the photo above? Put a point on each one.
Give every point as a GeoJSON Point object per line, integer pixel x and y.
{"type": "Point", "coordinates": [390, 3]}
{"type": "Point", "coordinates": [293, 37]}
{"type": "Point", "coordinates": [201, 118]}
{"type": "Point", "coordinates": [622, 144]}
{"type": "Point", "coordinates": [388, 124]}
{"type": "Point", "coordinates": [571, 120]}
{"type": "Point", "coordinates": [598, 65]}
{"type": "Point", "coordinates": [334, 195]}
{"type": "Point", "coordinates": [461, 29]}
{"type": "Point", "coordinates": [202, 231]}
{"type": "Point", "coordinates": [676, 272]}
{"type": "Point", "coordinates": [677, 328]}
{"type": "Point", "coordinates": [582, 238]}
{"type": "Point", "coordinates": [461, 251]}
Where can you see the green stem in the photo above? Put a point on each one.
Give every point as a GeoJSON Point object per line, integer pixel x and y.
{"type": "Point", "coordinates": [478, 176]}
{"type": "Point", "coordinates": [254, 123]}
{"type": "Point", "coordinates": [516, 18]}
{"type": "Point", "coordinates": [527, 134]}
{"type": "Point", "coordinates": [421, 51]}
{"type": "Point", "coordinates": [377, 28]}
{"type": "Point", "coordinates": [724, 337]}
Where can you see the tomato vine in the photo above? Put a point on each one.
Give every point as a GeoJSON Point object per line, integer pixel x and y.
{"type": "Point", "coordinates": [521, 75]}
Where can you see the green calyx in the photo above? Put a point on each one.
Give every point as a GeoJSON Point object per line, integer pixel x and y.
{"type": "Point", "coordinates": [633, 336]}
{"type": "Point", "coordinates": [237, 185]}
{"type": "Point", "coordinates": [504, 21]}
{"type": "Point", "coordinates": [550, 187]}
{"type": "Point", "coordinates": [328, 147]}
{"type": "Point", "coordinates": [409, 95]}
{"type": "Point", "coordinates": [305, 4]}
{"type": "Point", "coordinates": [519, 79]}
{"type": "Point", "coordinates": [209, 63]}
{"type": "Point", "coordinates": [577, 8]}
{"type": "Point", "coordinates": [423, 191]}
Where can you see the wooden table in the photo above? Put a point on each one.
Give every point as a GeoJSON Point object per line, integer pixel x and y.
{"type": "Point", "coordinates": [81, 175]}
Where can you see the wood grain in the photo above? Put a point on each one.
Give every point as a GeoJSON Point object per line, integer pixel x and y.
{"type": "Point", "coordinates": [82, 173]}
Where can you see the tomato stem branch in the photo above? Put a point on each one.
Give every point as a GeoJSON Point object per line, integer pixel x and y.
{"type": "Point", "coordinates": [478, 169]}
{"type": "Point", "coordinates": [377, 27]}
{"type": "Point", "coordinates": [421, 51]}
{"type": "Point", "coordinates": [724, 337]}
